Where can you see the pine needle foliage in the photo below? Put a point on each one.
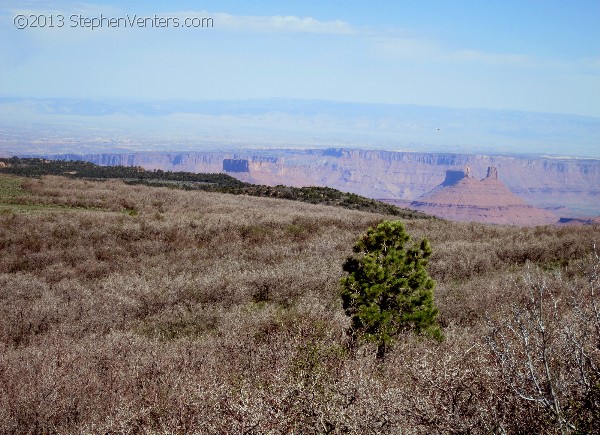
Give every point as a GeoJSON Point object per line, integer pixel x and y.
{"type": "Point", "coordinates": [387, 290]}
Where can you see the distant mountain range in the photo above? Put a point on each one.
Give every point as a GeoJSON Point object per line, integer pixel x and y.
{"type": "Point", "coordinates": [44, 126]}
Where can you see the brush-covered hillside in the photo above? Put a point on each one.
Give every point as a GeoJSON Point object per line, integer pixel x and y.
{"type": "Point", "coordinates": [208, 182]}
{"type": "Point", "coordinates": [138, 309]}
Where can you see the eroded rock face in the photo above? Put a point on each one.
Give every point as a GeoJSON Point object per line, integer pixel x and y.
{"type": "Point", "coordinates": [492, 173]}
{"type": "Point", "coordinates": [488, 200]}
{"type": "Point", "coordinates": [235, 165]}
{"type": "Point", "coordinates": [401, 176]}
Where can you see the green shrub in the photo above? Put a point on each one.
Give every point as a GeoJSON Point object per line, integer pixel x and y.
{"type": "Point", "coordinates": [387, 290]}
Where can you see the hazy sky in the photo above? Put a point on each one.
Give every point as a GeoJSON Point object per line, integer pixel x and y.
{"type": "Point", "coordinates": [534, 55]}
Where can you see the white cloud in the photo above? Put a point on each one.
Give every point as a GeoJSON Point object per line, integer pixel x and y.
{"type": "Point", "coordinates": [419, 49]}
{"type": "Point", "coordinates": [221, 21]}
{"type": "Point", "coordinates": [271, 24]}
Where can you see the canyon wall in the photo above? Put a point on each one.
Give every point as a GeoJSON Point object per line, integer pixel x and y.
{"type": "Point", "coordinates": [541, 181]}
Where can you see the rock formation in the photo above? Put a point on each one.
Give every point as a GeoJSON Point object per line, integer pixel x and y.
{"type": "Point", "coordinates": [401, 176]}
{"type": "Point", "coordinates": [235, 165]}
{"type": "Point", "coordinates": [461, 197]}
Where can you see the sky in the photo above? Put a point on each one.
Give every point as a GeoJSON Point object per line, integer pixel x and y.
{"type": "Point", "coordinates": [530, 55]}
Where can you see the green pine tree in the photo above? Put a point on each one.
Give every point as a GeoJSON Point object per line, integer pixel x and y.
{"type": "Point", "coordinates": [387, 289]}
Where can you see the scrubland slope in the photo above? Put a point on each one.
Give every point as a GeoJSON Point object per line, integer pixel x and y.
{"type": "Point", "coordinates": [141, 309]}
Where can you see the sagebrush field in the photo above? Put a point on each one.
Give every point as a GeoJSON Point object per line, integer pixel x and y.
{"type": "Point", "coordinates": [137, 309]}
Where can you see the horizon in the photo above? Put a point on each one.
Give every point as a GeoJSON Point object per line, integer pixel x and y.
{"type": "Point", "coordinates": [66, 125]}
{"type": "Point", "coordinates": [145, 100]}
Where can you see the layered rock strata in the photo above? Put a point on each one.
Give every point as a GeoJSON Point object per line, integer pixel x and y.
{"type": "Point", "coordinates": [462, 197]}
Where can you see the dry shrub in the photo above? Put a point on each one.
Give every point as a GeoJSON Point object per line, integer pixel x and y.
{"type": "Point", "coordinates": [548, 351]}
{"type": "Point", "coordinates": [212, 313]}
